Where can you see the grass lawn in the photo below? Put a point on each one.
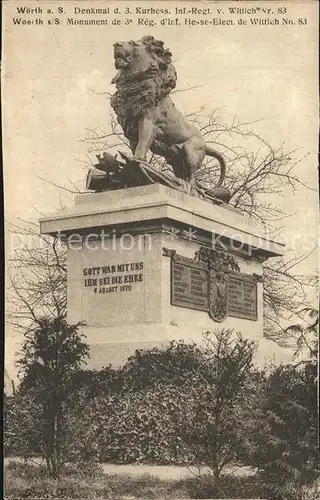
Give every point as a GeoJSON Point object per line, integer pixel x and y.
{"type": "Point", "coordinates": [31, 481]}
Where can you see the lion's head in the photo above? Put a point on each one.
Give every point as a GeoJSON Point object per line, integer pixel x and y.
{"type": "Point", "coordinates": [145, 76]}
{"type": "Point", "coordinates": [145, 58]}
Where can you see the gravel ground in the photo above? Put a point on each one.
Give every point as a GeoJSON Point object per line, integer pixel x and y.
{"type": "Point", "coordinates": [160, 471]}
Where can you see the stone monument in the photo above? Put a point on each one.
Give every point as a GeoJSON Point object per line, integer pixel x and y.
{"type": "Point", "coordinates": [155, 256]}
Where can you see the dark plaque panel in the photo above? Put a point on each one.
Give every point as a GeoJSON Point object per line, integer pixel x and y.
{"type": "Point", "coordinates": [189, 286]}
{"type": "Point", "coordinates": [242, 297]}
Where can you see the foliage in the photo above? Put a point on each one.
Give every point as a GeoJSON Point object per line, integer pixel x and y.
{"type": "Point", "coordinates": [179, 404]}
{"type": "Point", "coordinates": [229, 486]}
{"type": "Point", "coordinates": [212, 427]}
{"type": "Point", "coordinates": [176, 404]}
{"type": "Point", "coordinates": [172, 364]}
{"type": "Point", "coordinates": [22, 432]}
{"type": "Point", "coordinates": [113, 413]}
{"type": "Point", "coordinates": [310, 492]}
{"type": "Point", "coordinates": [282, 430]}
{"type": "Point", "coordinates": [133, 426]}
{"type": "Point", "coordinates": [284, 294]}
{"type": "Point", "coordinates": [135, 412]}
{"type": "Point", "coordinates": [50, 356]}
{"type": "Point", "coordinates": [305, 336]}
{"type": "Point", "coordinates": [54, 345]}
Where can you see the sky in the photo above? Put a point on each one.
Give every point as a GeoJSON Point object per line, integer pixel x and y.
{"type": "Point", "coordinates": [54, 81]}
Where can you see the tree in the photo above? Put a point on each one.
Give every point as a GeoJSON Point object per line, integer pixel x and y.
{"type": "Point", "coordinates": [9, 385]}
{"type": "Point", "coordinates": [37, 285]}
{"type": "Point", "coordinates": [304, 336]}
{"type": "Point", "coordinates": [255, 169]}
{"type": "Point", "coordinates": [213, 427]}
{"type": "Point", "coordinates": [281, 425]}
{"type": "Point", "coordinates": [52, 353]}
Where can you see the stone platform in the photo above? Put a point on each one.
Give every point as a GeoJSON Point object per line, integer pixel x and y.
{"type": "Point", "coordinates": [134, 277]}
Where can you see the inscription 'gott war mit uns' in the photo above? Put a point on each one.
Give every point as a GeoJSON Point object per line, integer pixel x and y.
{"type": "Point", "coordinates": [113, 278]}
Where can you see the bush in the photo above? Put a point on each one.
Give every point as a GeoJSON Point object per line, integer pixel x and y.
{"type": "Point", "coordinates": [179, 404]}
{"type": "Point", "coordinates": [23, 480]}
{"type": "Point", "coordinates": [228, 486]}
{"type": "Point", "coordinates": [311, 492]}
{"type": "Point", "coordinates": [184, 405]}
{"type": "Point", "coordinates": [282, 431]}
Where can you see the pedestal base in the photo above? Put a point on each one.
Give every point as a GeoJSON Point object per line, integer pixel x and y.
{"type": "Point", "coordinates": [132, 294]}
{"type": "Point", "coordinates": [105, 347]}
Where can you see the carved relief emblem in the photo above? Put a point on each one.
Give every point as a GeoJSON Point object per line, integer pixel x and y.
{"type": "Point", "coordinates": [218, 295]}
{"type": "Point", "coordinates": [219, 265]}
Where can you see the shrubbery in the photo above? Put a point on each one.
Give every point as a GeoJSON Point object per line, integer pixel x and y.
{"type": "Point", "coordinates": [179, 404]}
{"type": "Point", "coordinates": [282, 430]}
{"type": "Point", "coordinates": [182, 404]}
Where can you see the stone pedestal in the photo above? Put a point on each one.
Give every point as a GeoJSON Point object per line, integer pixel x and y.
{"type": "Point", "coordinates": [131, 293]}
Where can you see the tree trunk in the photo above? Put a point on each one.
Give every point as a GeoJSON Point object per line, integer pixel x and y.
{"type": "Point", "coordinates": [216, 473]}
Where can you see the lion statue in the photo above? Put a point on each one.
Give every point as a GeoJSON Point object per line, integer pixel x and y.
{"type": "Point", "coordinates": [147, 115]}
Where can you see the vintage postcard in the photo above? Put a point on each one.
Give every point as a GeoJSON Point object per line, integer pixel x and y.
{"type": "Point", "coordinates": [161, 236]}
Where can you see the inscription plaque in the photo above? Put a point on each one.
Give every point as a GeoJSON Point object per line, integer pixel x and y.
{"type": "Point", "coordinates": [242, 297]}
{"type": "Point", "coordinates": [189, 286]}
{"type": "Point", "coordinates": [197, 284]}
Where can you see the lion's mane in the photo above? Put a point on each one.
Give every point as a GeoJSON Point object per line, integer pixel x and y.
{"type": "Point", "coordinates": [139, 91]}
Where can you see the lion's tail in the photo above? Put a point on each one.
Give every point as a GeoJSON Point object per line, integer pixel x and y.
{"type": "Point", "coordinates": [212, 152]}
